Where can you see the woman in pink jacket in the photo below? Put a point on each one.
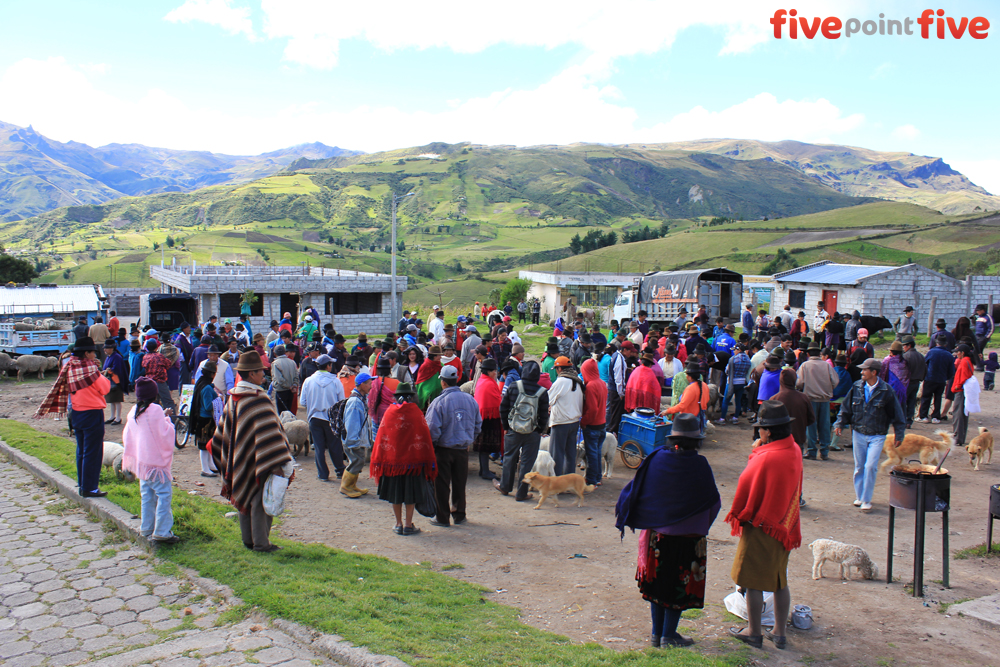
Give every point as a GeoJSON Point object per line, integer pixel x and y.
{"type": "Point", "coordinates": [149, 453]}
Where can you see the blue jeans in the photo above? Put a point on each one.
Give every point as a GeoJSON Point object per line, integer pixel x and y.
{"type": "Point", "coordinates": [867, 451]}
{"type": "Point", "coordinates": [89, 428]}
{"type": "Point", "coordinates": [822, 424]}
{"type": "Point", "coordinates": [157, 517]}
{"type": "Point", "coordinates": [593, 439]}
{"type": "Point", "coordinates": [324, 439]}
{"type": "Point", "coordinates": [562, 447]}
{"type": "Point", "coordinates": [733, 391]}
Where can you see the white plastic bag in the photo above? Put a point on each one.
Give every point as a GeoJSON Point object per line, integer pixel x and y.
{"type": "Point", "coordinates": [274, 494]}
{"type": "Point", "coordinates": [737, 604]}
{"type": "Point", "coordinates": [971, 389]}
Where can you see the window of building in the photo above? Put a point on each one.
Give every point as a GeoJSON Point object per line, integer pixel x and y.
{"type": "Point", "coordinates": [359, 303]}
{"type": "Point", "coordinates": [229, 305]}
{"type": "Point", "coordinates": [797, 298]}
{"type": "Point", "coordinates": [591, 295]}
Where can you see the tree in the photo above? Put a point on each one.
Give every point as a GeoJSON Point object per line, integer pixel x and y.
{"type": "Point", "coordinates": [14, 270]}
{"type": "Point", "coordinates": [401, 246]}
{"type": "Point", "coordinates": [156, 246]}
{"type": "Point", "coordinates": [575, 244]}
{"type": "Point", "coordinates": [514, 291]}
{"type": "Point", "coordinates": [170, 241]}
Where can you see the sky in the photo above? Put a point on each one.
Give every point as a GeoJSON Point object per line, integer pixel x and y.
{"type": "Point", "coordinates": [250, 76]}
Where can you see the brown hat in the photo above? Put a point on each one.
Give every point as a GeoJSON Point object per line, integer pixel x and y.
{"type": "Point", "coordinates": [873, 364]}
{"type": "Point", "coordinates": [563, 362]}
{"type": "Point", "coordinates": [773, 413]}
{"type": "Point", "coordinates": [434, 349]}
{"type": "Point", "coordinates": [249, 361]}
{"type": "Point", "coordinates": [896, 346]}
{"type": "Point", "coordinates": [648, 356]}
{"type": "Point", "coordinates": [772, 363]}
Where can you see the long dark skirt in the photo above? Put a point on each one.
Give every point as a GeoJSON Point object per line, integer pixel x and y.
{"type": "Point", "coordinates": [203, 429]}
{"type": "Point", "coordinates": [490, 439]}
{"type": "Point", "coordinates": [401, 489]}
{"type": "Point", "coordinates": [679, 579]}
{"type": "Point", "coordinates": [116, 395]}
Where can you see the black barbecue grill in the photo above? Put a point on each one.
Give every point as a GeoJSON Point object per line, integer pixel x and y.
{"type": "Point", "coordinates": [924, 489]}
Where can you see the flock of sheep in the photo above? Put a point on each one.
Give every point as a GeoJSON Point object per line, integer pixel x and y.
{"type": "Point", "coordinates": [33, 363]}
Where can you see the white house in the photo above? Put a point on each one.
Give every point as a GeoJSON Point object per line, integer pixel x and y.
{"type": "Point", "coordinates": [884, 290]}
{"type": "Point", "coordinates": [586, 289]}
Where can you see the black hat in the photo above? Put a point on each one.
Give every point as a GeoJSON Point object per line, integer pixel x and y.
{"type": "Point", "coordinates": [941, 322]}
{"type": "Point", "coordinates": [274, 323]}
{"type": "Point", "coordinates": [773, 413]}
{"type": "Point", "coordinates": [85, 344]}
{"type": "Point", "coordinates": [488, 365]}
{"type": "Point", "coordinates": [405, 389]}
{"type": "Point", "coordinates": [814, 347]}
{"type": "Point", "coordinates": [686, 426]}
{"type": "Point", "coordinates": [110, 343]}
{"type": "Point", "coordinates": [352, 361]}
{"type": "Point", "coordinates": [509, 365]}
{"type": "Point", "coordinates": [383, 363]}
{"type": "Point", "coordinates": [585, 338]}
{"type": "Point", "coordinates": [213, 349]}
{"type": "Point", "coordinates": [552, 348]}
{"type": "Point", "coordinates": [339, 338]}
{"type": "Point", "coordinates": [909, 309]}
{"type": "Point", "coordinates": [773, 363]}
{"type": "Point", "coordinates": [692, 367]}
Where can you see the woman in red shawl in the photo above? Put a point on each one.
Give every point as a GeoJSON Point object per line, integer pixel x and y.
{"type": "Point", "coordinates": [643, 388]}
{"type": "Point", "coordinates": [403, 457]}
{"type": "Point", "coordinates": [488, 397]}
{"type": "Point", "coordinates": [428, 384]}
{"type": "Point", "coordinates": [765, 516]}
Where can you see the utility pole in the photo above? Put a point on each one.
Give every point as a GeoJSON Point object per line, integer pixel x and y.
{"type": "Point", "coordinates": [394, 314]}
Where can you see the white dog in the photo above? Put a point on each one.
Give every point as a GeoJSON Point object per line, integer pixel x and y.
{"type": "Point", "coordinates": [845, 555]}
{"type": "Point", "coordinates": [608, 450]}
{"type": "Point", "coordinates": [544, 464]}
{"type": "Point", "coordinates": [113, 453]}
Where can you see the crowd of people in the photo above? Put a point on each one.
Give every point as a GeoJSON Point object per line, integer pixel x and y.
{"type": "Point", "coordinates": [423, 401]}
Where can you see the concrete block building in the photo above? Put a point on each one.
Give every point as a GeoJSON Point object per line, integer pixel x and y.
{"type": "Point", "coordinates": [586, 289]}
{"type": "Point", "coordinates": [849, 287]}
{"type": "Point", "coordinates": [354, 301]}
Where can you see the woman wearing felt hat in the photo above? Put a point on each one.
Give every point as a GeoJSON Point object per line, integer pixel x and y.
{"type": "Point", "coordinates": [673, 500]}
{"type": "Point", "coordinates": [765, 516]}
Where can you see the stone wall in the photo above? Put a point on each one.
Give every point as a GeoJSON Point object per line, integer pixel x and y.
{"type": "Point", "coordinates": [125, 300]}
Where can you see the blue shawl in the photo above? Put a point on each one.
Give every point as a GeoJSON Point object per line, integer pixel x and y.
{"type": "Point", "coordinates": [669, 487]}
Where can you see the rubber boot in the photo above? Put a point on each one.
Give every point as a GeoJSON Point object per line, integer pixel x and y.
{"type": "Point", "coordinates": [348, 485]}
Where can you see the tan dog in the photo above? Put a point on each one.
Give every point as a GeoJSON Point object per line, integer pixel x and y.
{"type": "Point", "coordinates": [550, 487]}
{"type": "Point", "coordinates": [929, 449]}
{"type": "Point", "coordinates": [981, 444]}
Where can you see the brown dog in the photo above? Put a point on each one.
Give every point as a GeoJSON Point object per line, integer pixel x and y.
{"type": "Point", "coordinates": [550, 487]}
{"type": "Point", "coordinates": [978, 447]}
{"type": "Point", "coordinates": [929, 449]}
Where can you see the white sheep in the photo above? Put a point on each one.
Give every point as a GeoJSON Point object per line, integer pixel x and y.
{"type": "Point", "coordinates": [297, 432]}
{"type": "Point", "coordinates": [113, 453]}
{"type": "Point", "coordinates": [6, 364]}
{"type": "Point", "coordinates": [33, 363]}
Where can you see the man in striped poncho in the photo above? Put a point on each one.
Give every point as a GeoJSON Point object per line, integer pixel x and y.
{"type": "Point", "coordinates": [249, 445]}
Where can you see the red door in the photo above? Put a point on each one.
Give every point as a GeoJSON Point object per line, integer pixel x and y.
{"type": "Point", "coordinates": [830, 301]}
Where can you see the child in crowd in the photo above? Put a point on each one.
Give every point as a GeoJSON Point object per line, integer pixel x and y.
{"type": "Point", "coordinates": [990, 374]}
{"type": "Point", "coordinates": [149, 454]}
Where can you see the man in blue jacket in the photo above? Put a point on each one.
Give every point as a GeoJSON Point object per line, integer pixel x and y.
{"type": "Point", "coordinates": [454, 422]}
{"type": "Point", "coordinates": [940, 369]}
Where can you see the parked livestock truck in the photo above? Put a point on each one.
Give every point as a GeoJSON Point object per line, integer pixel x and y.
{"type": "Point", "coordinates": [662, 294]}
{"type": "Point", "coordinates": [166, 312]}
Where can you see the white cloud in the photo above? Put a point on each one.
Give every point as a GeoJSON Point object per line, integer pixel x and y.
{"type": "Point", "coordinates": [883, 71]}
{"type": "Point", "coordinates": [572, 106]}
{"type": "Point", "coordinates": [314, 29]}
{"type": "Point", "coordinates": [984, 173]}
{"type": "Point", "coordinates": [906, 132]}
{"type": "Point", "coordinates": [234, 20]}
{"type": "Point", "coordinates": [761, 117]}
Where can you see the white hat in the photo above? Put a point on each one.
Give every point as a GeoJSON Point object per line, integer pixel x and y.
{"type": "Point", "coordinates": [308, 318]}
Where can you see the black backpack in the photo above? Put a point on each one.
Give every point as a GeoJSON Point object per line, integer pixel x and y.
{"type": "Point", "coordinates": [336, 415]}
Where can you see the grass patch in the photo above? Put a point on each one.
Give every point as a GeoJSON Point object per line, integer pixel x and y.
{"type": "Point", "coordinates": [943, 606]}
{"type": "Point", "coordinates": [453, 566]}
{"type": "Point", "coordinates": [108, 553]}
{"type": "Point", "coordinates": [978, 551]}
{"type": "Point", "coordinates": [424, 617]}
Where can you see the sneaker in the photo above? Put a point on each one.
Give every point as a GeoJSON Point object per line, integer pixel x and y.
{"type": "Point", "coordinates": [866, 507]}
{"type": "Point", "coordinates": [736, 420]}
{"type": "Point", "coordinates": [935, 421]}
{"type": "Point", "coordinates": [857, 503]}
{"type": "Point", "coordinates": [922, 420]}
{"type": "Point", "coordinates": [721, 422]}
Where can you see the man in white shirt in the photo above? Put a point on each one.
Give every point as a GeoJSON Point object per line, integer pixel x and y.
{"type": "Point", "coordinates": [436, 326]}
{"type": "Point", "coordinates": [820, 316]}
{"type": "Point", "coordinates": [565, 410]}
{"type": "Point", "coordinates": [224, 377]}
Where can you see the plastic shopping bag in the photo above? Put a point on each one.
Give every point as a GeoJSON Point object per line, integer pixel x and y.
{"type": "Point", "coordinates": [274, 494]}
{"type": "Point", "coordinates": [737, 604]}
{"type": "Point", "coordinates": [971, 389]}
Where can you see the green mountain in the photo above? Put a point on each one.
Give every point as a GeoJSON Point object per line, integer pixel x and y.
{"type": "Point", "coordinates": [38, 174]}
{"type": "Point", "coordinates": [860, 172]}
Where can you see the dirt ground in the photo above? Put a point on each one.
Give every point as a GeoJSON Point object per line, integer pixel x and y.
{"type": "Point", "coordinates": [528, 562]}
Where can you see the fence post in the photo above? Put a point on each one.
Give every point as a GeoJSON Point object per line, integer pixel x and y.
{"type": "Point", "coordinates": [930, 318]}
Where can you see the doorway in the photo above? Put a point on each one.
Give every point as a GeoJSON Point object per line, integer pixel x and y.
{"type": "Point", "coordinates": [290, 304]}
{"type": "Point", "coordinates": [830, 301]}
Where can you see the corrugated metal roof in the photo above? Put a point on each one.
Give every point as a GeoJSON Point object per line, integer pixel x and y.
{"type": "Point", "coordinates": [833, 274]}
{"type": "Point", "coordinates": [59, 299]}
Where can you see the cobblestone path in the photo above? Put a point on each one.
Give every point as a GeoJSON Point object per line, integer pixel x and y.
{"type": "Point", "coordinates": [73, 592]}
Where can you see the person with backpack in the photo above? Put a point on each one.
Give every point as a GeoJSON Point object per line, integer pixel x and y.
{"type": "Point", "coordinates": [321, 391]}
{"type": "Point", "coordinates": [566, 398]}
{"type": "Point", "coordinates": [524, 412]}
{"type": "Point", "coordinates": [356, 433]}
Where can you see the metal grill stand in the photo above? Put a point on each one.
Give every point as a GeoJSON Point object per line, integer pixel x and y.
{"type": "Point", "coordinates": [901, 497]}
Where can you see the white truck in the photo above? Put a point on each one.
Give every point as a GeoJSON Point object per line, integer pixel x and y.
{"type": "Point", "coordinates": [166, 312]}
{"type": "Point", "coordinates": [663, 293]}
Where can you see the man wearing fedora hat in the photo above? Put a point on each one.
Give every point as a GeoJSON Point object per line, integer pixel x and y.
{"type": "Point", "coordinates": [818, 380]}
{"type": "Point", "coordinates": [870, 408]}
{"type": "Point", "coordinates": [248, 446]}
{"type": "Point", "coordinates": [765, 516]}
{"type": "Point", "coordinates": [550, 356]}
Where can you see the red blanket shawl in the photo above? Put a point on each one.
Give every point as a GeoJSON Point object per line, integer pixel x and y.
{"type": "Point", "coordinates": [767, 495]}
{"type": "Point", "coordinates": [488, 397]}
{"type": "Point", "coordinates": [428, 369]}
{"type": "Point", "coordinates": [403, 445]}
{"type": "Point", "coordinates": [76, 375]}
{"type": "Point", "coordinates": [642, 390]}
